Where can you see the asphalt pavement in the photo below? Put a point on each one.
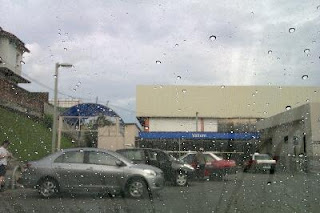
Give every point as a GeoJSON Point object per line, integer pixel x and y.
{"type": "Point", "coordinates": [241, 192]}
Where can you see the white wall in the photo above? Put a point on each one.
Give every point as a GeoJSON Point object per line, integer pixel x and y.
{"type": "Point", "coordinates": [182, 124]}
{"type": "Point", "coordinates": [10, 55]}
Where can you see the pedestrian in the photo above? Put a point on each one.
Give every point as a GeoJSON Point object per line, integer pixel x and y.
{"type": "Point", "coordinates": [4, 155]}
{"type": "Point", "coordinates": [201, 163]}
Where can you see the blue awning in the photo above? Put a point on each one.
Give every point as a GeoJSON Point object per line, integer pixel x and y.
{"type": "Point", "coordinates": [87, 110]}
{"type": "Point", "coordinates": [199, 135]}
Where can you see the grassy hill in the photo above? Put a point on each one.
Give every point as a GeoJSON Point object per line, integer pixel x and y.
{"type": "Point", "coordinates": [30, 138]}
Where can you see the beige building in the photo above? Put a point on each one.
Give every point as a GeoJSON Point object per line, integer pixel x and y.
{"type": "Point", "coordinates": [207, 108]}
{"type": "Point", "coordinates": [115, 137]}
{"type": "Point", "coordinates": [241, 119]}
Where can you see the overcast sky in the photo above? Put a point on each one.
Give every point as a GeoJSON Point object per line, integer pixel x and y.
{"type": "Point", "coordinates": [114, 45]}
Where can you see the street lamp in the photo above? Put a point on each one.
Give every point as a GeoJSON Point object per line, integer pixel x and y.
{"type": "Point", "coordinates": [54, 126]}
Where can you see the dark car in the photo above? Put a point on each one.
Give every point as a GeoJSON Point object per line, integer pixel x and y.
{"type": "Point", "coordinates": [174, 170]}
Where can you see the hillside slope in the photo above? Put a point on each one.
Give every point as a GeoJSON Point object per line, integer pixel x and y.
{"type": "Point", "coordinates": [30, 138]}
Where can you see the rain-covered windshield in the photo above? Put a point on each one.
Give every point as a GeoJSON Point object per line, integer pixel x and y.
{"type": "Point", "coordinates": [192, 79]}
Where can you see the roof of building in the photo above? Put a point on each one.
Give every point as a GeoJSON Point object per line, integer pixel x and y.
{"type": "Point", "coordinates": [220, 101]}
{"type": "Point", "coordinates": [87, 110]}
{"type": "Point", "coordinates": [11, 76]}
{"type": "Point", "coordinates": [15, 39]}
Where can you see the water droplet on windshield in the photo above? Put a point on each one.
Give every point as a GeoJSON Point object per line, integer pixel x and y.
{"type": "Point", "coordinates": [269, 52]}
{"type": "Point", "coordinates": [307, 51]}
{"type": "Point", "coordinates": [292, 30]}
{"type": "Point", "coordinates": [223, 86]}
{"type": "Point", "coordinates": [304, 77]}
{"type": "Point", "coordinates": [318, 7]}
{"type": "Point", "coordinates": [158, 62]}
{"type": "Point", "coordinates": [65, 49]}
{"type": "Point", "coordinates": [22, 62]}
{"type": "Point", "coordinates": [184, 90]}
{"type": "Point", "coordinates": [178, 77]}
{"type": "Point", "coordinates": [55, 76]}
{"type": "Point", "coordinates": [213, 38]}
{"type": "Point", "coordinates": [288, 107]}
{"type": "Point", "coordinates": [176, 45]}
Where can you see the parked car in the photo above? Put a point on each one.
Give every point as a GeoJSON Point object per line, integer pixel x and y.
{"type": "Point", "coordinates": [93, 170]}
{"type": "Point", "coordinates": [216, 166]}
{"type": "Point", "coordinates": [259, 162]}
{"type": "Point", "coordinates": [174, 170]}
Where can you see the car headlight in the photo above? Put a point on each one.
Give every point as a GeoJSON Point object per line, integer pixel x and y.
{"type": "Point", "coordinates": [150, 172]}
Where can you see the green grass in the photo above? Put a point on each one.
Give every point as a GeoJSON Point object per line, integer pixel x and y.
{"type": "Point", "coordinates": [30, 138]}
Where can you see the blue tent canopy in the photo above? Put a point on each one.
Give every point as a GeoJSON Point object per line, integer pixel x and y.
{"type": "Point", "coordinates": [88, 110]}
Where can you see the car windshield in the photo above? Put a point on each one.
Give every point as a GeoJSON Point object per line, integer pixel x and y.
{"type": "Point", "coordinates": [215, 84]}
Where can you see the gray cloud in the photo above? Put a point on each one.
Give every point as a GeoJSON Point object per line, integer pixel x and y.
{"type": "Point", "coordinates": [114, 45]}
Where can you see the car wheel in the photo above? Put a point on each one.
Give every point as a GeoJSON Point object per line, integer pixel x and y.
{"type": "Point", "coordinates": [136, 188]}
{"type": "Point", "coordinates": [48, 187]}
{"type": "Point", "coordinates": [181, 179]}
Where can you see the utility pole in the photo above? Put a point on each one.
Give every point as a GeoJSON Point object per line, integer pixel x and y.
{"type": "Point", "coordinates": [197, 114]}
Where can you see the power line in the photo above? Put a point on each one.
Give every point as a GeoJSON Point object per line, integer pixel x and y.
{"type": "Point", "coordinates": [47, 87]}
{"type": "Point", "coordinates": [74, 97]}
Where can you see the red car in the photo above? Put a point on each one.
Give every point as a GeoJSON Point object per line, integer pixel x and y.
{"type": "Point", "coordinates": [215, 166]}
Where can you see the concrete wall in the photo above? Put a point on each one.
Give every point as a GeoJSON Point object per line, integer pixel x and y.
{"type": "Point", "coordinates": [11, 56]}
{"type": "Point", "coordinates": [110, 137]}
{"type": "Point", "coordinates": [220, 102]}
{"type": "Point", "coordinates": [17, 98]}
{"type": "Point", "coordinates": [294, 136]}
{"type": "Point", "coordinates": [182, 124]}
{"type": "Point", "coordinates": [130, 134]}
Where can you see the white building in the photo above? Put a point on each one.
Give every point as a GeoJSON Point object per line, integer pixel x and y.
{"type": "Point", "coordinates": [11, 51]}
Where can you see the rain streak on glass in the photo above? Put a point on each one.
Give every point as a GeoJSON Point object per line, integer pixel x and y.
{"type": "Point", "coordinates": [292, 30]}
{"type": "Point", "coordinates": [304, 77]}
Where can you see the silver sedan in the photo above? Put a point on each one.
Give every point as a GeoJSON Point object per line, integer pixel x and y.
{"type": "Point", "coordinates": [91, 170]}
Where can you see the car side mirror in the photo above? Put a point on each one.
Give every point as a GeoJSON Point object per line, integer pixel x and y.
{"type": "Point", "coordinates": [119, 163]}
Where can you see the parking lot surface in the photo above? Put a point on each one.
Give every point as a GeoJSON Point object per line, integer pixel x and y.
{"type": "Point", "coordinates": [241, 192]}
